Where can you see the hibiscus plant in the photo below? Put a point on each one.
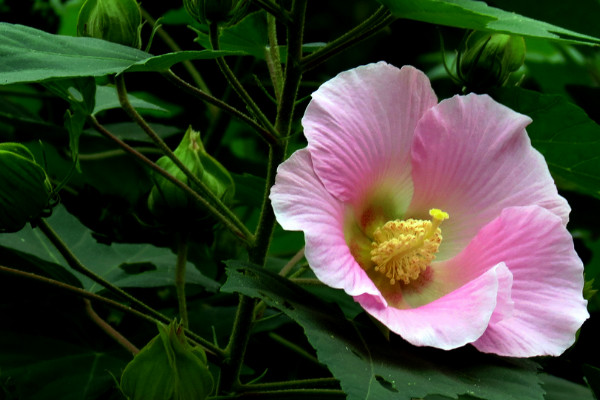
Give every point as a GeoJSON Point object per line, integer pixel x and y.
{"type": "Point", "coordinates": [285, 199]}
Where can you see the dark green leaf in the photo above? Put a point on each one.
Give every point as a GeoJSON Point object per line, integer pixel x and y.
{"type": "Point", "coordinates": [582, 17]}
{"type": "Point", "coordinates": [106, 99]}
{"type": "Point", "coordinates": [248, 36]}
{"type": "Point", "coordinates": [165, 61]}
{"type": "Point", "coordinates": [564, 134]}
{"type": "Point", "coordinates": [43, 368]}
{"type": "Point", "coordinates": [31, 55]}
{"type": "Point", "coordinates": [477, 15]}
{"type": "Point", "coordinates": [561, 389]}
{"type": "Point", "coordinates": [368, 367]}
{"type": "Point", "coordinates": [80, 93]}
{"type": "Point", "coordinates": [592, 376]}
{"type": "Point", "coordinates": [104, 260]}
{"type": "Point", "coordinates": [555, 65]}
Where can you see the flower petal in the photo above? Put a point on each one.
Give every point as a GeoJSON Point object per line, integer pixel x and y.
{"type": "Point", "coordinates": [451, 321]}
{"type": "Point", "coordinates": [471, 158]}
{"type": "Point", "coordinates": [547, 282]}
{"type": "Point", "coordinates": [301, 202]}
{"type": "Point", "coordinates": [359, 127]}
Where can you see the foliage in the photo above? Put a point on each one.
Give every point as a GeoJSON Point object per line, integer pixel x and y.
{"type": "Point", "coordinates": [86, 282]}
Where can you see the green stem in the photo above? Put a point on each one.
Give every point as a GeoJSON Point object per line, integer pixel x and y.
{"type": "Point", "coordinates": [272, 57]}
{"type": "Point", "coordinates": [103, 155]}
{"type": "Point", "coordinates": [79, 292]}
{"type": "Point", "coordinates": [208, 346]}
{"type": "Point", "coordinates": [78, 266]}
{"type": "Point", "coordinates": [108, 329]}
{"type": "Point", "coordinates": [240, 335]}
{"type": "Point", "coordinates": [182, 251]}
{"type": "Point", "coordinates": [274, 9]}
{"type": "Point", "coordinates": [187, 64]}
{"type": "Point", "coordinates": [233, 224]}
{"type": "Point", "coordinates": [381, 18]}
{"type": "Point", "coordinates": [292, 263]}
{"type": "Point", "coordinates": [235, 83]}
{"type": "Point", "coordinates": [135, 116]}
{"type": "Point", "coordinates": [294, 347]}
{"type": "Point", "coordinates": [180, 83]}
{"type": "Point", "coordinates": [304, 383]}
{"type": "Point", "coordinates": [307, 281]}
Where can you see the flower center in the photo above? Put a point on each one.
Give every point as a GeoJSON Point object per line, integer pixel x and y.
{"type": "Point", "coordinates": [401, 250]}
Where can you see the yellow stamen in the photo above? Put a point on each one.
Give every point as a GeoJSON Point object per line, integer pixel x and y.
{"type": "Point", "coordinates": [402, 249]}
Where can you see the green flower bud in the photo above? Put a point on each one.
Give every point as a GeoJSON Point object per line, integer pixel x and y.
{"type": "Point", "coordinates": [117, 21]}
{"type": "Point", "coordinates": [227, 12]}
{"type": "Point", "coordinates": [167, 200]}
{"type": "Point", "coordinates": [487, 59]}
{"type": "Point", "coordinates": [168, 368]}
{"type": "Point", "coordinates": [25, 189]}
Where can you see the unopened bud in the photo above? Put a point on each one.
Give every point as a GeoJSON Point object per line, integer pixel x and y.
{"type": "Point", "coordinates": [168, 368]}
{"type": "Point", "coordinates": [487, 59]}
{"type": "Point", "coordinates": [168, 200]}
{"type": "Point", "coordinates": [117, 21]}
{"type": "Point", "coordinates": [25, 189]}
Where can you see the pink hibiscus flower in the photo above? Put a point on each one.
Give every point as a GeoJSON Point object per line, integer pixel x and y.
{"type": "Point", "coordinates": [440, 219]}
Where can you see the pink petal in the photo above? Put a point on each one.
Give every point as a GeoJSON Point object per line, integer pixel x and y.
{"type": "Point", "coordinates": [301, 202]}
{"type": "Point", "coordinates": [360, 125]}
{"type": "Point", "coordinates": [547, 282]}
{"type": "Point", "coordinates": [451, 321]}
{"type": "Point", "coordinates": [472, 158]}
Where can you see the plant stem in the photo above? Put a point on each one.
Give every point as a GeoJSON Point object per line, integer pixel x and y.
{"type": "Point", "coordinates": [180, 83]}
{"type": "Point", "coordinates": [235, 83]}
{"type": "Point", "coordinates": [106, 327]}
{"type": "Point", "coordinates": [380, 18]}
{"type": "Point", "coordinates": [78, 266]}
{"type": "Point", "coordinates": [182, 251]}
{"type": "Point", "coordinates": [233, 224]}
{"type": "Point", "coordinates": [197, 183]}
{"type": "Point", "coordinates": [103, 155]}
{"type": "Point", "coordinates": [293, 261]}
{"type": "Point", "coordinates": [240, 335]}
{"type": "Point", "coordinates": [272, 57]}
{"type": "Point", "coordinates": [307, 281]}
{"type": "Point", "coordinates": [274, 9]}
{"type": "Point", "coordinates": [208, 346]}
{"type": "Point", "coordinates": [304, 383]}
{"type": "Point", "coordinates": [294, 347]}
{"type": "Point", "coordinates": [187, 64]}
{"type": "Point", "coordinates": [74, 263]}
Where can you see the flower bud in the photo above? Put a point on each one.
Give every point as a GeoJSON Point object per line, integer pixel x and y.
{"type": "Point", "coordinates": [168, 200]}
{"type": "Point", "coordinates": [487, 59]}
{"type": "Point", "coordinates": [25, 189]}
{"type": "Point", "coordinates": [117, 21]}
{"type": "Point", "coordinates": [227, 12]}
{"type": "Point", "coordinates": [168, 368]}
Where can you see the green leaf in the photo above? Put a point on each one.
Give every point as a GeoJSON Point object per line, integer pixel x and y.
{"type": "Point", "coordinates": [564, 134]}
{"type": "Point", "coordinates": [107, 98]}
{"type": "Point", "coordinates": [106, 261]}
{"type": "Point", "coordinates": [369, 367]}
{"type": "Point", "coordinates": [561, 389]}
{"type": "Point", "coordinates": [592, 376]}
{"type": "Point", "coordinates": [80, 94]}
{"type": "Point", "coordinates": [249, 36]}
{"type": "Point", "coordinates": [31, 55]}
{"type": "Point", "coordinates": [44, 368]}
{"type": "Point", "coordinates": [555, 65]}
{"type": "Point", "coordinates": [469, 14]}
